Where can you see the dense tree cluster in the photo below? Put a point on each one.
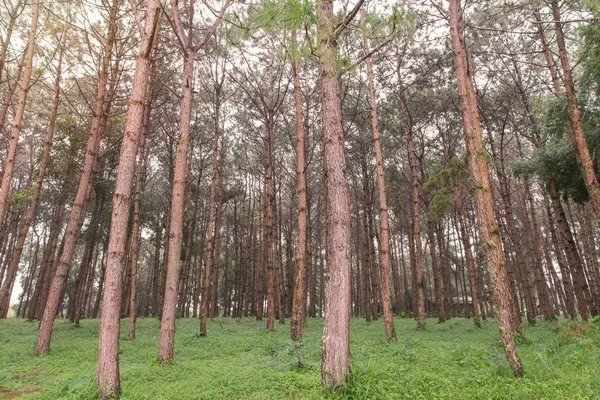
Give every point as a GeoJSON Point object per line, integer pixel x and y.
{"type": "Point", "coordinates": [290, 158]}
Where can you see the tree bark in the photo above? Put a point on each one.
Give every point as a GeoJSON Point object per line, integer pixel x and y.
{"type": "Point", "coordinates": [210, 240]}
{"type": "Point", "coordinates": [13, 267]}
{"type": "Point", "coordinates": [470, 263]}
{"type": "Point", "coordinates": [108, 345]}
{"type": "Point", "coordinates": [77, 211]}
{"type": "Point", "coordinates": [384, 235]}
{"type": "Point", "coordinates": [335, 360]}
{"type": "Point", "coordinates": [136, 229]}
{"type": "Point", "coordinates": [419, 290]}
{"type": "Point", "coordinates": [169, 313]}
{"type": "Point", "coordinates": [19, 113]}
{"type": "Point", "coordinates": [577, 135]}
{"type": "Point", "coordinates": [486, 221]}
{"type": "Point", "coordinates": [13, 15]}
{"type": "Point", "coordinates": [299, 297]}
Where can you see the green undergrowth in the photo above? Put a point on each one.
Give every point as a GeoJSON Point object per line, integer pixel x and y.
{"type": "Point", "coordinates": [240, 360]}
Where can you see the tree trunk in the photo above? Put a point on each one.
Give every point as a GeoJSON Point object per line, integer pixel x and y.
{"type": "Point", "coordinates": [488, 227]}
{"type": "Point", "coordinates": [419, 289]}
{"type": "Point", "coordinates": [108, 345]}
{"type": "Point", "coordinates": [269, 238]}
{"type": "Point", "coordinates": [335, 360]}
{"type": "Point", "coordinates": [20, 111]}
{"type": "Point", "coordinates": [370, 312]}
{"type": "Point", "coordinates": [299, 297]}
{"type": "Point", "coordinates": [14, 14]}
{"type": "Point", "coordinates": [437, 276]}
{"type": "Point", "coordinates": [470, 263]}
{"type": "Point", "coordinates": [13, 267]}
{"type": "Point", "coordinates": [576, 135]}
{"type": "Point", "coordinates": [169, 313]}
{"type": "Point", "coordinates": [77, 211]}
{"type": "Point", "coordinates": [136, 229]}
{"type": "Point", "coordinates": [384, 235]}
{"type": "Point", "coordinates": [210, 240]}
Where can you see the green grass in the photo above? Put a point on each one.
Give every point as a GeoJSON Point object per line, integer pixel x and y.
{"type": "Point", "coordinates": [240, 360]}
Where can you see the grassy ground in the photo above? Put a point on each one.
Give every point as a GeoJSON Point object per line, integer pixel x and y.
{"type": "Point", "coordinates": [240, 360]}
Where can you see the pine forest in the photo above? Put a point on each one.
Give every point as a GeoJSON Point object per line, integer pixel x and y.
{"type": "Point", "coordinates": [297, 199]}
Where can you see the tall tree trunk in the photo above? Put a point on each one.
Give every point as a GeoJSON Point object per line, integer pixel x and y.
{"type": "Point", "coordinates": [108, 344]}
{"type": "Point", "coordinates": [86, 263]}
{"type": "Point", "coordinates": [13, 267]}
{"type": "Point", "coordinates": [169, 313]}
{"type": "Point", "coordinates": [370, 312]}
{"type": "Point", "coordinates": [189, 49]}
{"type": "Point", "coordinates": [136, 229]}
{"type": "Point", "coordinates": [269, 237]}
{"type": "Point", "coordinates": [515, 237]}
{"type": "Point", "coordinates": [419, 290]}
{"type": "Point", "coordinates": [212, 210]}
{"type": "Point", "coordinates": [370, 238]}
{"type": "Point", "coordinates": [299, 297]}
{"type": "Point", "coordinates": [189, 248]}
{"type": "Point", "coordinates": [9, 162]}
{"type": "Point", "coordinates": [437, 276]}
{"type": "Point", "coordinates": [77, 211]}
{"type": "Point", "coordinates": [12, 88]}
{"type": "Point", "coordinates": [573, 259]}
{"type": "Point", "coordinates": [214, 276]}
{"type": "Point", "coordinates": [38, 300]}
{"type": "Point", "coordinates": [335, 360]}
{"type": "Point", "coordinates": [576, 135]}
{"type": "Point", "coordinates": [13, 16]}
{"type": "Point", "coordinates": [488, 227]}
{"type": "Point", "coordinates": [384, 234]}
{"type": "Point", "coordinates": [470, 263]}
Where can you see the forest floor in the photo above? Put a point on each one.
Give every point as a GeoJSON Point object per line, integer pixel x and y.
{"type": "Point", "coordinates": [240, 360]}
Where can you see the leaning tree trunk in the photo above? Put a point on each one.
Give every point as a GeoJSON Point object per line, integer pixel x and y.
{"type": "Point", "coordinates": [486, 221]}
{"type": "Point", "coordinates": [77, 212]}
{"type": "Point", "coordinates": [384, 235]}
{"type": "Point", "coordinates": [12, 87]}
{"type": "Point", "coordinates": [14, 14]}
{"type": "Point", "coordinates": [18, 120]}
{"type": "Point", "coordinates": [335, 360]}
{"type": "Point", "coordinates": [13, 267]}
{"type": "Point", "coordinates": [108, 344]}
{"type": "Point", "coordinates": [577, 135]}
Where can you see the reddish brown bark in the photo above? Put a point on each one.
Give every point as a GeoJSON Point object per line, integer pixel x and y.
{"type": "Point", "coordinates": [470, 263]}
{"type": "Point", "coordinates": [419, 283]}
{"type": "Point", "coordinates": [210, 240]}
{"type": "Point", "coordinates": [29, 216]}
{"type": "Point", "coordinates": [384, 235]}
{"type": "Point", "coordinates": [189, 49]}
{"type": "Point", "coordinates": [20, 112]}
{"type": "Point", "coordinates": [577, 135]}
{"type": "Point", "coordinates": [335, 360]}
{"type": "Point", "coordinates": [136, 229]}
{"type": "Point", "coordinates": [77, 211]}
{"type": "Point", "coordinates": [108, 377]}
{"type": "Point", "coordinates": [299, 296]}
{"type": "Point", "coordinates": [486, 221]}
